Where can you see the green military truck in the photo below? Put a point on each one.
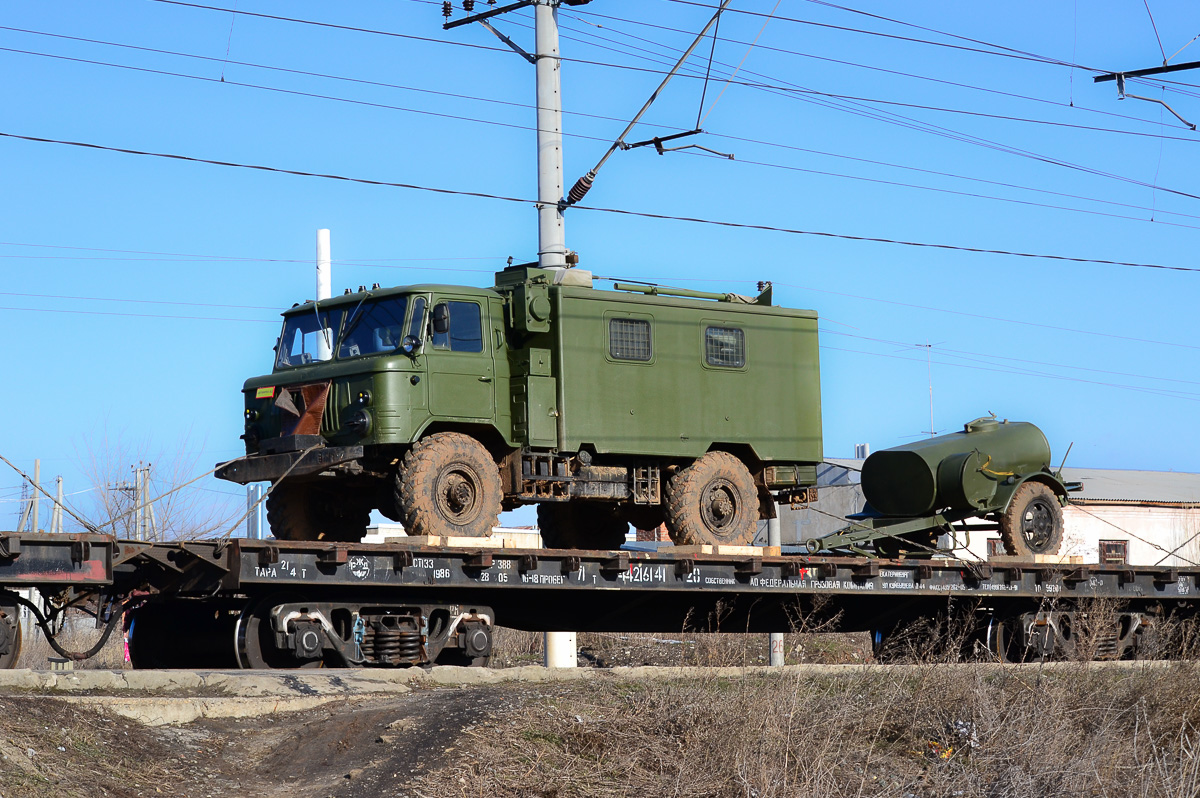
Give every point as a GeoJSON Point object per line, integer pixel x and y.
{"type": "Point", "coordinates": [441, 405]}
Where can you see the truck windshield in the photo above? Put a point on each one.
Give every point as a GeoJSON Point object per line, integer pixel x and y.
{"type": "Point", "coordinates": [308, 337]}
{"type": "Point", "coordinates": [376, 325]}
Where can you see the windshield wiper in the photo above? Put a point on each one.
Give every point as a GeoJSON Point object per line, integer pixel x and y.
{"type": "Point", "coordinates": [351, 321]}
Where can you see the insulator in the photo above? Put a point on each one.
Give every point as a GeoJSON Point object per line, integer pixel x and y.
{"type": "Point", "coordinates": [468, 6]}
{"type": "Point", "coordinates": [447, 9]}
{"type": "Point", "coordinates": [582, 186]}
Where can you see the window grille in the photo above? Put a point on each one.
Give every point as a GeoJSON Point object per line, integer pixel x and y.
{"type": "Point", "coordinates": [1114, 552]}
{"type": "Point", "coordinates": [725, 346]}
{"type": "Point", "coordinates": [629, 339]}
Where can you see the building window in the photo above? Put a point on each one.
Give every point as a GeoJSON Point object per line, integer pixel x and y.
{"type": "Point", "coordinates": [629, 339]}
{"type": "Point", "coordinates": [725, 346]}
{"type": "Point", "coordinates": [1114, 552]}
{"type": "Point", "coordinates": [995, 548]}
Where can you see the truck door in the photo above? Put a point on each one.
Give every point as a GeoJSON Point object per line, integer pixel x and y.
{"type": "Point", "coordinates": [461, 374]}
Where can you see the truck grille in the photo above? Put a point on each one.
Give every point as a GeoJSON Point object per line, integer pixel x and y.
{"type": "Point", "coordinates": [330, 418]}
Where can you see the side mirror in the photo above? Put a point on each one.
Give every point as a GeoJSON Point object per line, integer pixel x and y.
{"type": "Point", "coordinates": [410, 344]}
{"type": "Point", "coordinates": [441, 318]}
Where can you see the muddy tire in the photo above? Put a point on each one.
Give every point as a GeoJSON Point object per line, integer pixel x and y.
{"type": "Point", "coordinates": [1033, 522]}
{"type": "Point", "coordinates": [712, 501]}
{"type": "Point", "coordinates": [448, 485]}
{"type": "Point", "coordinates": [581, 525]}
{"type": "Point", "coordinates": [304, 511]}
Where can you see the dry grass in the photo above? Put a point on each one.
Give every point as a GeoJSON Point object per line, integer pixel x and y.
{"type": "Point", "coordinates": [929, 730]}
{"type": "Point", "coordinates": [78, 634]}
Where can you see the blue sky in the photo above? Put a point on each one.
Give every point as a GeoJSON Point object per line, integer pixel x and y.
{"type": "Point", "coordinates": [141, 291]}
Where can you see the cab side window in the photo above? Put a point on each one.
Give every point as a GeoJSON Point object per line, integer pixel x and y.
{"type": "Point", "coordinates": [463, 327]}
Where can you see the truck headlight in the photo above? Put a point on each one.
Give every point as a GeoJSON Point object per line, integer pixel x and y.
{"type": "Point", "coordinates": [251, 415]}
{"type": "Point", "coordinates": [359, 423]}
{"type": "Point", "coordinates": [364, 398]}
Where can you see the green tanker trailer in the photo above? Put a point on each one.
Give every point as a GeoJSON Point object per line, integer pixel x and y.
{"type": "Point", "coordinates": [998, 470]}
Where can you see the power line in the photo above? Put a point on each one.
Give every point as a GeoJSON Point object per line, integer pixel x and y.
{"type": "Point", "coordinates": [576, 12]}
{"type": "Point", "coordinates": [138, 301]}
{"type": "Point", "coordinates": [990, 318]}
{"type": "Point", "coordinates": [859, 109]}
{"type": "Point", "coordinates": [139, 315]}
{"type": "Point", "coordinates": [967, 355]}
{"type": "Point", "coordinates": [598, 209]}
{"type": "Point", "coordinates": [225, 257]}
{"type": "Point", "coordinates": [1006, 52]}
{"type": "Point", "coordinates": [304, 72]}
{"type": "Point", "coordinates": [922, 361]}
{"type": "Point", "coordinates": [590, 138]}
{"type": "Point", "coordinates": [783, 89]}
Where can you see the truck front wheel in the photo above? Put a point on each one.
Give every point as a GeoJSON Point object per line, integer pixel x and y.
{"type": "Point", "coordinates": [712, 501]}
{"type": "Point", "coordinates": [448, 485]}
{"type": "Point", "coordinates": [303, 511]}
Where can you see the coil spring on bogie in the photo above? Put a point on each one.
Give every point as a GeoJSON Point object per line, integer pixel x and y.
{"type": "Point", "coordinates": [387, 643]}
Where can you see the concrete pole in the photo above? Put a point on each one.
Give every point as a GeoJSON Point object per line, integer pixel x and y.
{"type": "Point", "coordinates": [552, 246]}
{"type": "Point", "coordinates": [324, 269]}
{"type": "Point", "coordinates": [775, 639]}
{"type": "Point", "coordinates": [561, 651]}
{"type": "Point", "coordinates": [137, 504]}
{"type": "Point", "coordinates": [37, 484]}
{"type": "Point", "coordinates": [324, 289]}
{"type": "Point", "coordinates": [56, 513]}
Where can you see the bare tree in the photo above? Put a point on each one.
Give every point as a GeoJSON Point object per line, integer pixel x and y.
{"type": "Point", "coordinates": [141, 489]}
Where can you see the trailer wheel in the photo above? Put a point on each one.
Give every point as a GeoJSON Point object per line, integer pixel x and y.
{"type": "Point", "coordinates": [449, 485]}
{"type": "Point", "coordinates": [304, 511]}
{"type": "Point", "coordinates": [712, 501]}
{"type": "Point", "coordinates": [10, 635]}
{"type": "Point", "coordinates": [1033, 523]}
{"type": "Point", "coordinates": [581, 525]}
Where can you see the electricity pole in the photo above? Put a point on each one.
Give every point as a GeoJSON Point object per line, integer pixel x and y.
{"type": "Point", "coordinates": [552, 241]}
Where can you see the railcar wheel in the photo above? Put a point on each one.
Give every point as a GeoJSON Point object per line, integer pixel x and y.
{"type": "Point", "coordinates": [183, 633]}
{"type": "Point", "coordinates": [254, 639]}
{"type": "Point", "coordinates": [1033, 523]}
{"type": "Point", "coordinates": [449, 485]}
{"type": "Point", "coordinates": [1001, 639]}
{"type": "Point", "coordinates": [304, 511]}
{"type": "Point", "coordinates": [581, 525]}
{"type": "Point", "coordinates": [712, 501]}
{"type": "Point", "coordinates": [10, 635]}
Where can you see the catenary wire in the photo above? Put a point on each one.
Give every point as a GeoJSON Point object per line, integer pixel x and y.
{"type": "Point", "coordinates": [598, 138]}
{"type": "Point", "coordinates": [923, 127]}
{"type": "Point", "coordinates": [602, 117]}
{"type": "Point", "coordinates": [899, 73]}
{"type": "Point", "coordinates": [599, 209]}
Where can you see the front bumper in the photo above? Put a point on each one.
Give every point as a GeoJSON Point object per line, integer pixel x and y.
{"type": "Point", "coordinates": [272, 467]}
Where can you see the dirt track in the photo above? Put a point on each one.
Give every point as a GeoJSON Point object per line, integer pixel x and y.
{"type": "Point", "coordinates": [1068, 729]}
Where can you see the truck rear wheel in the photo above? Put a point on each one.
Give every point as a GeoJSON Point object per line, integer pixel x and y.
{"type": "Point", "coordinates": [1033, 522]}
{"type": "Point", "coordinates": [448, 485]}
{"type": "Point", "coordinates": [712, 501]}
{"type": "Point", "coordinates": [581, 525]}
{"type": "Point", "coordinates": [304, 511]}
